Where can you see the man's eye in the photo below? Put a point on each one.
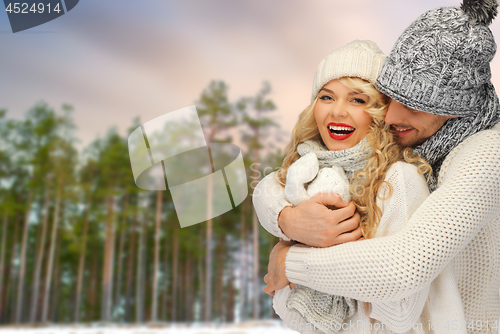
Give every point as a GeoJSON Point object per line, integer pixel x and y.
{"type": "Point", "coordinates": [326, 98]}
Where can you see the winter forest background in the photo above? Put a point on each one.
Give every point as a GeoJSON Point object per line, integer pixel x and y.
{"type": "Point", "coordinates": [81, 243]}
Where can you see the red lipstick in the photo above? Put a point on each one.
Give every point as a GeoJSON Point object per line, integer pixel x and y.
{"type": "Point", "coordinates": [335, 135]}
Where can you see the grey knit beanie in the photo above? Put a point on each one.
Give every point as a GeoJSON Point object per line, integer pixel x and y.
{"type": "Point", "coordinates": [441, 62]}
{"type": "Point", "coordinates": [441, 65]}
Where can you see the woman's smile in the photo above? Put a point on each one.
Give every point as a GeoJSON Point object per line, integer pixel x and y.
{"type": "Point", "coordinates": [340, 131]}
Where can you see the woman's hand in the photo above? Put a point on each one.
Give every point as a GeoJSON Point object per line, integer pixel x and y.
{"type": "Point", "coordinates": [313, 224]}
{"type": "Point", "coordinates": [276, 277]}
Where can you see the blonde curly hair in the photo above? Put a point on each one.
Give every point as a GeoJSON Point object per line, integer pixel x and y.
{"type": "Point", "coordinates": [365, 184]}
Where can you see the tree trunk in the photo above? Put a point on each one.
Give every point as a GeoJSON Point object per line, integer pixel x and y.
{"type": "Point", "coordinates": [121, 244]}
{"type": "Point", "coordinates": [175, 268]}
{"type": "Point", "coordinates": [57, 280]}
{"type": "Point", "coordinates": [165, 284]}
{"type": "Point", "coordinates": [81, 262]}
{"type": "Point", "coordinates": [243, 262]}
{"type": "Point", "coordinates": [208, 284]}
{"type": "Point", "coordinates": [130, 267]}
{"type": "Point", "coordinates": [139, 300]}
{"type": "Point", "coordinates": [255, 225]}
{"type": "Point", "coordinates": [39, 259]}
{"type": "Point", "coordinates": [4, 307]}
{"type": "Point", "coordinates": [109, 247]}
{"type": "Point", "coordinates": [255, 285]}
{"type": "Point", "coordinates": [94, 280]}
{"type": "Point", "coordinates": [181, 297]}
{"type": "Point", "coordinates": [220, 282]}
{"type": "Point", "coordinates": [2, 263]}
{"type": "Point", "coordinates": [230, 294]}
{"type": "Point", "coordinates": [156, 260]}
{"type": "Point", "coordinates": [201, 281]}
{"type": "Point", "coordinates": [48, 278]}
{"type": "Point", "coordinates": [22, 263]}
{"type": "Point", "coordinates": [189, 289]}
{"type": "Point", "coordinates": [14, 270]}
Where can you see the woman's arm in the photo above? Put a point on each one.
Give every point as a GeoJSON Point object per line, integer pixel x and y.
{"type": "Point", "coordinates": [269, 200]}
{"type": "Point", "coordinates": [393, 267]}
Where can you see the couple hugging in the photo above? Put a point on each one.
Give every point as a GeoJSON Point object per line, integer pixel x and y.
{"type": "Point", "coordinates": [388, 198]}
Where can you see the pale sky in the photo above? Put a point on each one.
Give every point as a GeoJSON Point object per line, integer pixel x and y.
{"type": "Point", "coordinates": [114, 60]}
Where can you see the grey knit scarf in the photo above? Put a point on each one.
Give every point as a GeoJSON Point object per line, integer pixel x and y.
{"type": "Point", "coordinates": [328, 312]}
{"type": "Point", "coordinates": [351, 160]}
{"type": "Point", "coordinates": [435, 149]}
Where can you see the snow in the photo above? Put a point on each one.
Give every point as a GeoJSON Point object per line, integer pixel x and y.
{"type": "Point", "coordinates": [259, 327]}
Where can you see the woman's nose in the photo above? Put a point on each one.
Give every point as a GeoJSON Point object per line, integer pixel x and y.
{"type": "Point", "coordinates": [339, 109]}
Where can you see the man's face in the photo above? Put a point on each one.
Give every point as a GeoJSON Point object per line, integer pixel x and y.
{"type": "Point", "coordinates": [412, 127]}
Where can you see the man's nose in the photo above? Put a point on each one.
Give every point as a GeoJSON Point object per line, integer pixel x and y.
{"type": "Point", "coordinates": [395, 113]}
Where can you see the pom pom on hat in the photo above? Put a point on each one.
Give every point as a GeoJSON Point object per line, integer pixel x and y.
{"type": "Point", "coordinates": [357, 59]}
{"type": "Point", "coordinates": [481, 11]}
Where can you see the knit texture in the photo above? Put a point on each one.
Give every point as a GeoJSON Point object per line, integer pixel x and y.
{"type": "Point", "coordinates": [320, 170]}
{"type": "Point", "coordinates": [360, 59]}
{"type": "Point", "coordinates": [480, 11]}
{"type": "Point", "coordinates": [312, 307]}
{"type": "Point", "coordinates": [455, 230]}
{"type": "Point", "coordinates": [441, 65]}
{"type": "Point", "coordinates": [435, 149]}
{"type": "Point", "coordinates": [305, 179]}
{"type": "Point", "coordinates": [318, 307]}
{"type": "Point", "coordinates": [458, 224]}
{"type": "Point", "coordinates": [351, 160]}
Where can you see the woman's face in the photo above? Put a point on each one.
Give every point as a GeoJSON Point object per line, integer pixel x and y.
{"type": "Point", "coordinates": [340, 115]}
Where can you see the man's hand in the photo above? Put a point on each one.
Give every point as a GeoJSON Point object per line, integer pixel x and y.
{"type": "Point", "coordinates": [313, 224]}
{"type": "Point", "coordinates": [276, 277]}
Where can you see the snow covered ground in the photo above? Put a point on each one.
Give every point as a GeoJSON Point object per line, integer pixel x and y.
{"type": "Point", "coordinates": [260, 327]}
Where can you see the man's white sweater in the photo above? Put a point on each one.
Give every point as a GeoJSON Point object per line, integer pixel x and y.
{"type": "Point", "coordinates": [456, 229]}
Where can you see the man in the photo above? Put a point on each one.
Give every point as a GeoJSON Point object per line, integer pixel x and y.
{"type": "Point", "coordinates": [444, 106]}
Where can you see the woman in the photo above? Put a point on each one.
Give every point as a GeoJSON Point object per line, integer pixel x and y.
{"type": "Point", "coordinates": [341, 136]}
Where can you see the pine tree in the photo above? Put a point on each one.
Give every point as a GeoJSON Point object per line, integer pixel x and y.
{"type": "Point", "coordinates": [216, 116]}
{"type": "Point", "coordinates": [254, 111]}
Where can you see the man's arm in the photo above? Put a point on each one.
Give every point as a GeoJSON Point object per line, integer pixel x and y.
{"type": "Point", "coordinates": [393, 267]}
{"type": "Point", "coordinates": [311, 222]}
{"type": "Point", "coordinates": [400, 314]}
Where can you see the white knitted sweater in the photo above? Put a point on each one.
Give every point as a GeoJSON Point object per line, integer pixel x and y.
{"type": "Point", "coordinates": [456, 230]}
{"type": "Point", "coordinates": [409, 191]}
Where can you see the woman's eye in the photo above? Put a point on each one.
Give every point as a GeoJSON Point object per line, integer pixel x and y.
{"type": "Point", "coordinates": [358, 100]}
{"type": "Point", "coordinates": [326, 98]}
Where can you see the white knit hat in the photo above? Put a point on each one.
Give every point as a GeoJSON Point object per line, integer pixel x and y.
{"type": "Point", "coordinates": [358, 59]}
